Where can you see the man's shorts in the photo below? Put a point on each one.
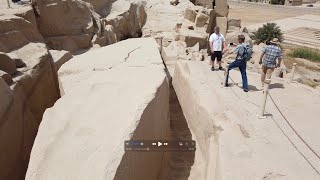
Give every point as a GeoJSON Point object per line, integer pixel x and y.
{"type": "Point", "coordinates": [216, 54]}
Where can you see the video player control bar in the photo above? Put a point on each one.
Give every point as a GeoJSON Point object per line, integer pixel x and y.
{"type": "Point", "coordinates": [174, 145]}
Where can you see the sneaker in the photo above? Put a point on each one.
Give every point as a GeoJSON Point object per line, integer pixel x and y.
{"type": "Point", "coordinates": [227, 85]}
{"type": "Point", "coordinates": [212, 68]}
{"type": "Point", "coordinates": [220, 68]}
{"type": "Point", "coordinates": [245, 90]}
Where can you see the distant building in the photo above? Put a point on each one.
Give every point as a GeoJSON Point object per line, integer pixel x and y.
{"type": "Point", "coordinates": [293, 2]}
{"type": "Point", "coordinates": [265, 1]}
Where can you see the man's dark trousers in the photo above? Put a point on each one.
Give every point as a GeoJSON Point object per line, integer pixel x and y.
{"type": "Point", "coordinates": [242, 65]}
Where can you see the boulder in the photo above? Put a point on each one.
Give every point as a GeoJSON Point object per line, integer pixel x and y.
{"type": "Point", "coordinates": [127, 20]}
{"type": "Point", "coordinates": [234, 22]}
{"type": "Point", "coordinates": [60, 57]}
{"type": "Point", "coordinates": [6, 95]}
{"type": "Point", "coordinates": [108, 37]}
{"type": "Point", "coordinates": [197, 56]}
{"type": "Point", "coordinates": [233, 29]}
{"type": "Point", "coordinates": [6, 77]}
{"type": "Point", "coordinates": [195, 48]}
{"type": "Point", "coordinates": [222, 22]}
{"type": "Point", "coordinates": [100, 6]}
{"type": "Point", "coordinates": [222, 8]}
{"type": "Point", "coordinates": [72, 32]}
{"type": "Point", "coordinates": [76, 17]}
{"type": "Point", "coordinates": [174, 2]}
{"type": "Point", "coordinates": [7, 64]}
{"type": "Point", "coordinates": [16, 32]}
{"type": "Point", "coordinates": [204, 3]}
{"type": "Point", "coordinates": [190, 14]}
{"type": "Point", "coordinates": [19, 62]}
{"type": "Point", "coordinates": [244, 29]}
{"type": "Point", "coordinates": [35, 88]}
{"type": "Point", "coordinates": [26, 12]}
{"type": "Point", "coordinates": [172, 51]}
{"type": "Point", "coordinates": [201, 20]}
{"type": "Point", "coordinates": [127, 95]}
{"type": "Point", "coordinates": [212, 20]}
{"type": "Point", "coordinates": [70, 43]}
{"type": "Point", "coordinates": [193, 37]}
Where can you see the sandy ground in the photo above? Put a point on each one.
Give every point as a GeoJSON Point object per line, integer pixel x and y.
{"type": "Point", "coordinates": [253, 14]}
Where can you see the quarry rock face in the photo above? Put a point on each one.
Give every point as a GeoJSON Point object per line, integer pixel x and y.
{"type": "Point", "coordinates": [84, 24]}
{"type": "Point", "coordinates": [222, 22]}
{"type": "Point", "coordinates": [60, 57]}
{"type": "Point", "coordinates": [127, 19]}
{"type": "Point", "coordinates": [204, 3]}
{"type": "Point", "coordinates": [7, 64]}
{"type": "Point", "coordinates": [100, 6]}
{"type": "Point", "coordinates": [201, 20]}
{"type": "Point", "coordinates": [16, 31]}
{"type": "Point", "coordinates": [6, 77]}
{"type": "Point", "coordinates": [125, 89]}
{"type": "Point", "coordinates": [222, 8]}
{"type": "Point", "coordinates": [31, 88]}
{"type": "Point", "coordinates": [72, 32]}
{"type": "Point", "coordinates": [190, 14]}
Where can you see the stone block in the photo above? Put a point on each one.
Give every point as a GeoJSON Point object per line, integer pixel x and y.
{"type": "Point", "coordinates": [190, 14]}
{"type": "Point", "coordinates": [222, 8]}
{"type": "Point", "coordinates": [222, 22]}
{"type": "Point", "coordinates": [7, 64]}
{"type": "Point", "coordinates": [201, 19]}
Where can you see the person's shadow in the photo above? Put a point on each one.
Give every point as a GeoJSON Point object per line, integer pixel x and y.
{"type": "Point", "coordinates": [276, 86]}
{"type": "Point", "coordinates": [253, 88]}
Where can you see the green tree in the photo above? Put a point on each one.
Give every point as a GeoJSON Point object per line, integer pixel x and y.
{"type": "Point", "coordinates": [279, 2]}
{"type": "Point", "coordinates": [267, 33]}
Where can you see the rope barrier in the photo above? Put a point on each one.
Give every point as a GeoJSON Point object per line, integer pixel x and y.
{"type": "Point", "coordinates": [283, 116]}
{"type": "Point", "coordinates": [292, 126]}
{"type": "Point", "coordinates": [295, 146]}
{"type": "Point", "coordinates": [295, 131]}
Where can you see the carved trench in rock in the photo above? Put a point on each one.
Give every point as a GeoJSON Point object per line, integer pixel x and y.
{"type": "Point", "coordinates": [178, 164]}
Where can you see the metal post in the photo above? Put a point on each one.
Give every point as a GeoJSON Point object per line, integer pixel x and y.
{"type": "Point", "coordinates": [225, 76]}
{"type": "Point", "coordinates": [292, 73]}
{"type": "Point", "coordinates": [8, 2]}
{"type": "Point", "coordinates": [265, 95]}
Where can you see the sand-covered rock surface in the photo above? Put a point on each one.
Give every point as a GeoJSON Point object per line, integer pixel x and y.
{"type": "Point", "coordinates": [233, 143]}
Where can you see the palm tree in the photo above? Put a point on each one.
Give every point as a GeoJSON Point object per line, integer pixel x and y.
{"type": "Point", "coordinates": [267, 33]}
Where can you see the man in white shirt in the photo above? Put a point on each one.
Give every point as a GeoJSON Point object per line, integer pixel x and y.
{"type": "Point", "coordinates": [217, 47]}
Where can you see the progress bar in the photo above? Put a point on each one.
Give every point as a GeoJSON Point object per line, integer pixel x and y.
{"type": "Point", "coordinates": [160, 145]}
